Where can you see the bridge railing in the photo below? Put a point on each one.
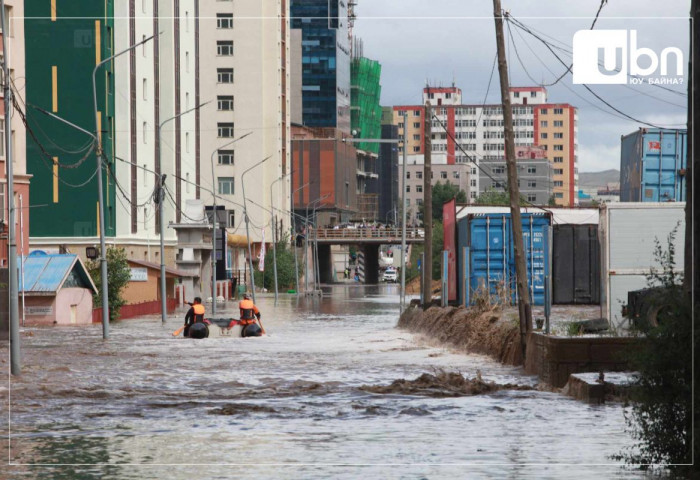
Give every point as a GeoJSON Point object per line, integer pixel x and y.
{"type": "Point", "coordinates": [364, 233]}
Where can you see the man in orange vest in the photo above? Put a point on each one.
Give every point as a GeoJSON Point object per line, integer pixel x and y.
{"type": "Point", "coordinates": [194, 314]}
{"type": "Point", "coordinates": [248, 314]}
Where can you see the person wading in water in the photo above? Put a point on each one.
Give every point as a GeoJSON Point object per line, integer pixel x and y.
{"type": "Point", "coordinates": [248, 314]}
{"type": "Point", "coordinates": [194, 314]}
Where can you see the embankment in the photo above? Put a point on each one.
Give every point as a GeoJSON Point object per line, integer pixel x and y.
{"type": "Point", "coordinates": [487, 332]}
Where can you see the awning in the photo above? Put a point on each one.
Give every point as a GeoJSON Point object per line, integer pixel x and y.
{"type": "Point", "coordinates": [237, 240]}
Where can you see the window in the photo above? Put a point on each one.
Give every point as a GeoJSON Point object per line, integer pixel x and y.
{"type": "Point", "coordinates": [187, 183]}
{"type": "Point", "coordinates": [225, 185]}
{"type": "Point", "coordinates": [408, 189]}
{"type": "Point", "coordinates": [408, 175]}
{"type": "Point", "coordinates": [187, 21]}
{"type": "Point", "coordinates": [559, 148]}
{"type": "Point", "coordinates": [531, 169]}
{"type": "Point", "coordinates": [224, 20]}
{"type": "Point", "coordinates": [225, 130]}
{"type": "Point", "coordinates": [472, 195]}
{"type": "Point", "coordinates": [400, 124]}
{"type": "Point", "coordinates": [225, 157]}
{"type": "Point", "coordinates": [531, 184]}
{"type": "Point", "coordinates": [516, 94]}
{"type": "Point", "coordinates": [224, 47]}
{"type": "Point", "coordinates": [416, 124]}
{"type": "Point", "coordinates": [558, 123]}
{"type": "Point", "coordinates": [2, 137]}
{"type": "Point", "coordinates": [187, 61]}
{"type": "Point", "coordinates": [419, 188]}
{"type": "Point", "coordinates": [558, 183]}
{"type": "Point", "coordinates": [558, 111]}
{"type": "Point", "coordinates": [472, 182]}
{"type": "Point", "coordinates": [533, 94]}
{"type": "Point", "coordinates": [416, 149]}
{"type": "Point", "coordinates": [143, 45]}
{"type": "Point", "coordinates": [558, 195]}
{"type": "Point", "coordinates": [416, 113]}
{"type": "Point", "coordinates": [224, 102]}
{"type": "Point", "coordinates": [443, 175]}
{"type": "Point", "coordinates": [543, 111]}
{"type": "Point", "coordinates": [419, 201]}
{"type": "Point", "coordinates": [419, 175]}
{"type": "Point", "coordinates": [231, 219]}
{"type": "Point", "coordinates": [558, 171]}
{"type": "Point", "coordinates": [543, 123]}
{"type": "Point", "coordinates": [145, 89]}
{"type": "Point", "coordinates": [145, 132]}
{"type": "Point", "coordinates": [543, 135]}
{"type": "Point", "coordinates": [224, 75]}
{"type": "Point", "coordinates": [498, 170]}
{"type": "Point", "coordinates": [455, 174]}
{"type": "Point", "coordinates": [558, 159]}
{"type": "Point", "coordinates": [187, 100]}
{"type": "Point", "coordinates": [558, 135]}
{"type": "Point", "coordinates": [531, 197]}
{"type": "Point", "coordinates": [416, 137]}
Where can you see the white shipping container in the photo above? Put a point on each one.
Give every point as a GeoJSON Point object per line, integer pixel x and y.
{"type": "Point", "coordinates": [627, 238]}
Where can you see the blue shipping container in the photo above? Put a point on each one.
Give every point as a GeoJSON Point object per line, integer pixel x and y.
{"type": "Point", "coordinates": [652, 165]}
{"type": "Point", "coordinates": [492, 255]}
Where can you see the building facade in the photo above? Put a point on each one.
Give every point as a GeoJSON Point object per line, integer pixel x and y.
{"type": "Point", "coordinates": [325, 61]}
{"type": "Point", "coordinates": [472, 133]}
{"type": "Point", "coordinates": [14, 15]}
{"type": "Point", "coordinates": [244, 67]}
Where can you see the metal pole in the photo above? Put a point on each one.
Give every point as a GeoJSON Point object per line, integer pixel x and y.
{"type": "Point", "coordinates": [422, 268]}
{"type": "Point", "coordinates": [15, 361]}
{"type": "Point", "coordinates": [21, 239]}
{"type": "Point", "coordinates": [101, 226]}
{"type": "Point", "coordinates": [444, 280]}
{"type": "Point", "coordinates": [247, 228]}
{"type": "Point", "coordinates": [294, 237]}
{"type": "Point", "coordinates": [213, 238]}
{"type": "Point", "coordinates": [427, 205]}
{"type": "Point", "coordinates": [402, 299]}
{"type": "Point", "coordinates": [274, 235]}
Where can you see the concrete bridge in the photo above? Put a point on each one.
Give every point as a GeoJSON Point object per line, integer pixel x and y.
{"type": "Point", "coordinates": [367, 239]}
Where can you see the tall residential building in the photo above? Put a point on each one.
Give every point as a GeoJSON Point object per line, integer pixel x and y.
{"type": "Point", "coordinates": [478, 129]}
{"type": "Point", "coordinates": [136, 92]}
{"type": "Point", "coordinates": [244, 68]}
{"type": "Point", "coordinates": [14, 14]}
{"type": "Point", "coordinates": [325, 61]}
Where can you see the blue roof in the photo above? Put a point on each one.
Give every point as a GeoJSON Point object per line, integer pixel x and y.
{"type": "Point", "coordinates": [46, 274]}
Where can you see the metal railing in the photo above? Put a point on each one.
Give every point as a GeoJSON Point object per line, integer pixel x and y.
{"type": "Point", "coordinates": [360, 234]}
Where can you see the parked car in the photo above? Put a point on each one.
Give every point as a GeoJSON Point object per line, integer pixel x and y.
{"type": "Point", "coordinates": [390, 275]}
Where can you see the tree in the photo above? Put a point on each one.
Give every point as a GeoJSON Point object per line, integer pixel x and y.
{"type": "Point", "coordinates": [118, 276]}
{"type": "Point", "coordinates": [444, 193]}
{"type": "Point", "coordinates": [286, 278]}
{"type": "Point", "coordinates": [497, 197]}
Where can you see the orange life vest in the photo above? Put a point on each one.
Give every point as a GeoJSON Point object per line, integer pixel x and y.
{"type": "Point", "coordinates": [198, 309]}
{"type": "Point", "coordinates": [248, 311]}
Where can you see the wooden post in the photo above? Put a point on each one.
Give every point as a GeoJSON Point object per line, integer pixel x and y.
{"type": "Point", "coordinates": [427, 207]}
{"type": "Point", "coordinates": [524, 309]}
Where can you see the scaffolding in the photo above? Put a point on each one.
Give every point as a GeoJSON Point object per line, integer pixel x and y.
{"type": "Point", "coordinates": [365, 111]}
{"type": "Point", "coordinates": [367, 207]}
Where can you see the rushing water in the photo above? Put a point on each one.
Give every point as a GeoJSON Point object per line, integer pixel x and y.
{"type": "Point", "coordinates": [147, 405]}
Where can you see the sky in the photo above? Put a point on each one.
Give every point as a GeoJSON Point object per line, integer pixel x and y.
{"type": "Point", "coordinates": [446, 41]}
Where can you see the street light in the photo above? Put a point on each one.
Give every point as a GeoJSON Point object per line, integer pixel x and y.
{"type": "Point", "coordinates": [98, 154]}
{"type": "Point", "coordinates": [161, 199]}
{"type": "Point", "coordinates": [296, 262]}
{"type": "Point", "coordinates": [247, 230]}
{"type": "Point", "coordinates": [274, 233]}
{"type": "Point", "coordinates": [213, 236]}
{"type": "Point", "coordinates": [402, 298]}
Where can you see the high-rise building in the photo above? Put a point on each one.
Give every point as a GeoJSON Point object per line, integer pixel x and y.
{"type": "Point", "coordinates": [325, 61]}
{"type": "Point", "coordinates": [472, 133]}
{"type": "Point", "coordinates": [14, 14]}
{"type": "Point", "coordinates": [138, 91]}
{"type": "Point", "coordinates": [244, 67]}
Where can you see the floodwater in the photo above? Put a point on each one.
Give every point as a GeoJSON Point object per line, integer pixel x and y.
{"type": "Point", "coordinates": [147, 405]}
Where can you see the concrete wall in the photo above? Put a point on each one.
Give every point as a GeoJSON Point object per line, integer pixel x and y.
{"type": "Point", "coordinates": [554, 359]}
{"type": "Point", "coordinates": [78, 298]}
{"type": "Point", "coordinates": [4, 306]}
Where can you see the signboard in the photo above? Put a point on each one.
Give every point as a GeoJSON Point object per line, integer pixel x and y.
{"type": "Point", "coordinates": [530, 153]}
{"type": "Point", "coordinates": [139, 274]}
{"type": "Point", "coordinates": [449, 215]}
{"type": "Point", "coordinates": [48, 310]}
{"type": "Point", "coordinates": [654, 146]}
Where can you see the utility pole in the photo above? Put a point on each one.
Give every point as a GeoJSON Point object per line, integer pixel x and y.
{"type": "Point", "coordinates": [15, 362]}
{"type": "Point", "coordinates": [427, 266]}
{"type": "Point", "coordinates": [524, 309]}
{"type": "Point", "coordinates": [691, 279]}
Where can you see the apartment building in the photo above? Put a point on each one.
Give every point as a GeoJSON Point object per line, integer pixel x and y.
{"type": "Point", "coordinates": [244, 69]}
{"type": "Point", "coordinates": [140, 90]}
{"type": "Point", "coordinates": [14, 38]}
{"type": "Point", "coordinates": [472, 133]}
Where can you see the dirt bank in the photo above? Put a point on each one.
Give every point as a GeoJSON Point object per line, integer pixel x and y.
{"type": "Point", "coordinates": [487, 332]}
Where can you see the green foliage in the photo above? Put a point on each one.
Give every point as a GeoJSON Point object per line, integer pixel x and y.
{"type": "Point", "coordinates": [552, 201]}
{"type": "Point", "coordinates": [118, 276]}
{"type": "Point", "coordinates": [285, 268]}
{"type": "Point", "coordinates": [496, 197]}
{"type": "Point", "coordinates": [660, 418]}
{"type": "Point", "coordinates": [437, 249]}
{"type": "Point", "coordinates": [442, 193]}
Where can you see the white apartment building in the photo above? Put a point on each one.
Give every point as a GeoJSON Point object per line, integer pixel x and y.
{"type": "Point", "coordinates": [244, 69]}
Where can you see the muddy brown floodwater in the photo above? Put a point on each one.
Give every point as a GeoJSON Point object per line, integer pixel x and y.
{"type": "Point", "coordinates": [313, 399]}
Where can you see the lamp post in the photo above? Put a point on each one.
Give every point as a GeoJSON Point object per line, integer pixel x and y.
{"type": "Point", "coordinates": [161, 199]}
{"type": "Point", "coordinates": [296, 262]}
{"type": "Point", "coordinates": [247, 230]}
{"type": "Point", "coordinates": [274, 233]}
{"type": "Point", "coordinates": [214, 215]}
{"type": "Point", "coordinates": [402, 298]}
{"type": "Point", "coordinates": [98, 154]}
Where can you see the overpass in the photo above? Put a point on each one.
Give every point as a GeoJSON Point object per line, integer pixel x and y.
{"type": "Point", "coordinates": [368, 239]}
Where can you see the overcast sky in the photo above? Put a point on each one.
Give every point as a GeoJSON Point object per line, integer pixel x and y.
{"type": "Point", "coordinates": [442, 41]}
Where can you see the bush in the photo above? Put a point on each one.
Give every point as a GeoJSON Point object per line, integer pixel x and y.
{"type": "Point", "coordinates": [118, 276]}
{"type": "Point", "coordinates": [285, 269]}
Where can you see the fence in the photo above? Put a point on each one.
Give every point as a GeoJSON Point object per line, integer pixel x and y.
{"type": "Point", "coordinates": [137, 309]}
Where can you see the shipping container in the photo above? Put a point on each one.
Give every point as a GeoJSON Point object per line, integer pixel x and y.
{"type": "Point", "coordinates": [575, 264]}
{"type": "Point", "coordinates": [628, 236]}
{"type": "Point", "coordinates": [491, 259]}
{"type": "Point", "coordinates": [652, 165]}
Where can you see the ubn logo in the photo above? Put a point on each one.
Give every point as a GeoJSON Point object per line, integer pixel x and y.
{"type": "Point", "coordinates": [603, 57]}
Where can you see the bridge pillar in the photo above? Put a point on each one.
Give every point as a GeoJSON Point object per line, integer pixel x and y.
{"type": "Point", "coordinates": [371, 263]}
{"type": "Point", "coordinates": [325, 263]}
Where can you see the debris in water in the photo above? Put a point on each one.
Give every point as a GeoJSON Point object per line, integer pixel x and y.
{"type": "Point", "coordinates": [442, 384]}
{"type": "Point", "coordinates": [241, 409]}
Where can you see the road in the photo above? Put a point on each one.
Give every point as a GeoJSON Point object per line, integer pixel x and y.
{"type": "Point", "coordinates": [146, 405]}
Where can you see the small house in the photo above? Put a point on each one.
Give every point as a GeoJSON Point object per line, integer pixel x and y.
{"type": "Point", "coordinates": [57, 290]}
